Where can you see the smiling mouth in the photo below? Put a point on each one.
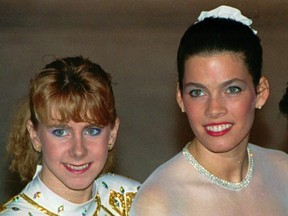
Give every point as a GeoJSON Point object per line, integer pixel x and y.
{"type": "Point", "coordinates": [218, 128]}
{"type": "Point", "coordinates": [77, 167]}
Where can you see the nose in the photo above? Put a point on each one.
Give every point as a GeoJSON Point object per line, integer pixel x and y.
{"type": "Point", "coordinates": [215, 107]}
{"type": "Point", "coordinates": [78, 147]}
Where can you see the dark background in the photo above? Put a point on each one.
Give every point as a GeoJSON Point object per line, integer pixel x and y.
{"type": "Point", "coordinates": [136, 41]}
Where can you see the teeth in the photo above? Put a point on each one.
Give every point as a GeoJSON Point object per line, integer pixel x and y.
{"type": "Point", "coordinates": [218, 128]}
{"type": "Point", "coordinates": [77, 167]}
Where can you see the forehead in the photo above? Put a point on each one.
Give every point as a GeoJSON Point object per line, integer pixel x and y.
{"type": "Point", "coordinates": [224, 65]}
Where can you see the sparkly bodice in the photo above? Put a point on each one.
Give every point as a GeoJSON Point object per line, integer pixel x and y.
{"type": "Point", "coordinates": [112, 195]}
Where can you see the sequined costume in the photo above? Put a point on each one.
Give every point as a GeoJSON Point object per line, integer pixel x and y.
{"type": "Point", "coordinates": [112, 195]}
{"type": "Point", "coordinates": [182, 187]}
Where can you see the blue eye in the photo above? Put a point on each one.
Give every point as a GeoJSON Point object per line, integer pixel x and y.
{"type": "Point", "coordinates": [196, 93]}
{"type": "Point", "coordinates": [233, 90]}
{"type": "Point", "coordinates": [60, 132]}
{"type": "Point", "coordinates": [92, 131]}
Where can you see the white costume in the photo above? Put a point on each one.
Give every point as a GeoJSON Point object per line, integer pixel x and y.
{"type": "Point", "coordinates": [182, 187]}
{"type": "Point", "coordinates": [112, 195]}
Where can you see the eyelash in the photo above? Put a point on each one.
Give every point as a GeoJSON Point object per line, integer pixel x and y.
{"type": "Point", "coordinates": [230, 90]}
{"type": "Point", "coordinates": [233, 88]}
{"type": "Point", "coordinates": [57, 132]}
{"type": "Point", "coordinates": [95, 130]}
{"type": "Point", "coordinates": [61, 132]}
{"type": "Point", "coordinates": [197, 91]}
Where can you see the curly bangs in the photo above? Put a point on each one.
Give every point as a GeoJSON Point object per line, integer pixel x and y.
{"type": "Point", "coordinates": [80, 93]}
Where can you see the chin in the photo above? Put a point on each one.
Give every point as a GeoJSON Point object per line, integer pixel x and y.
{"type": "Point", "coordinates": [78, 186]}
{"type": "Point", "coordinates": [222, 149]}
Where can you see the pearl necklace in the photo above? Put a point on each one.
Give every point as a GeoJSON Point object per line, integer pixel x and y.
{"type": "Point", "coordinates": [216, 180]}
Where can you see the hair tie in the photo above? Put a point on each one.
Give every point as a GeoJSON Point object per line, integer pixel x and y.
{"type": "Point", "coordinates": [228, 13]}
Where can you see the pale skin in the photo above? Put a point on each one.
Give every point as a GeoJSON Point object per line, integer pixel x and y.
{"type": "Point", "coordinates": [220, 100]}
{"type": "Point", "coordinates": [73, 155]}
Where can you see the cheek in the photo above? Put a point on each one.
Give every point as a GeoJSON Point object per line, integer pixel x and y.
{"type": "Point", "coordinates": [99, 146]}
{"type": "Point", "coordinates": [245, 107]}
{"type": "Point", "coordinates": [99, 154]}
{"type": "Point", "coordinates": [99, 149]}
{"type": "Point", "coordinates": [51, 153]}
{"type": "Point", "coordinates": [51, 147]}
{"type": "Point", "coordinates": [195, 113]}
{"type": "Point", "coordinates": [194, 109]}
{"type": "Point", "coordinates": [47, 144]}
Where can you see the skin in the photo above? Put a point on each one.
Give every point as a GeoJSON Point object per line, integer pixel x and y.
{"type": "Point", "coordinates": [73, 155]}
{"type": "Point", "coordinates": [220, 100]}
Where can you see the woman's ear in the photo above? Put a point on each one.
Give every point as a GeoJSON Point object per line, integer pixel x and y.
{"type": "Point", "coordinates": [262, 92]}
{"type": "Point", "coordinates": [34, 136]}
{"type": "Point", "coordinates": [113, 134]}
{"type": "Point", "coordinates": [179, 98]}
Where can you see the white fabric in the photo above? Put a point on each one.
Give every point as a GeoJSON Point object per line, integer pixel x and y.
{"type": "Point", "coordinates": [177, 188]}
{"type": "Point", "coordinates": [108, 187]}
{"type": "Point", "coordinates": [226, 12]}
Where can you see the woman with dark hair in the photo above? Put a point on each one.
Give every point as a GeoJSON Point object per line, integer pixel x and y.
{"type": "Point", "coordinates": [65, 134]}
{"type": "Point", "coordinates": [283, 104]}
{"type": "Point", "coordinates": [219, 87]}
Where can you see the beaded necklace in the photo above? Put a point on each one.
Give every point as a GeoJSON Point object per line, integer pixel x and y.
{"type": "Point", "coordinates": [216, 180]}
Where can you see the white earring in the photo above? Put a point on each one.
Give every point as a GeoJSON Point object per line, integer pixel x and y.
{"type": "Point", "coordinates": [182, 109]}
{"type": "Point", "coordinates": [110, 146]}
{"type": "Point", "coordinates": [39, 148]}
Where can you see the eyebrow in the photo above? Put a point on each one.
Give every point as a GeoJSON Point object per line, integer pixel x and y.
{"type": "Point", "coordinates": [199, 85]}
{"type": "Point", "coordinates": [66, 126]}
{"type": "Point", "coordinates": [56, 125]}
{"type": "Point", "coordinates": [229, 82]}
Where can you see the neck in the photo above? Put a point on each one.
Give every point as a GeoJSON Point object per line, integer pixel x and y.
{"type": "Point", "coordinates": [74, 196]}
{"type": "Point", "coordinates": [231, 166]}
{"type": "Point", "coordinates": [77, 197]}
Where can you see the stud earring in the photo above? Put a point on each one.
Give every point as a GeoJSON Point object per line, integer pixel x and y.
{"type": "Point", "coordinates": [182, 109]}
{"type": "Point", "coordinates": [259, 107]}
{"type": "Point", "coordinates": [39, 148]}
{"type": "Point", "coordinates": [110, 146]}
